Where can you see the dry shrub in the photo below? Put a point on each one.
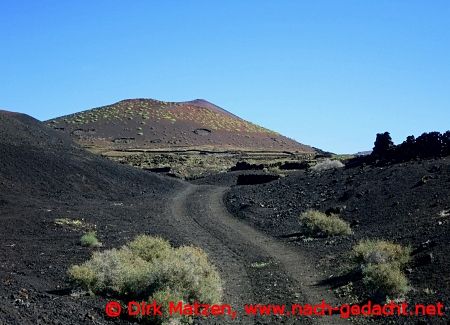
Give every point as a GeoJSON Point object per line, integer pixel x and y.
{"type": "Point", "coordinates": [382, 263]}
{"type": "Point", "coordinates": [149, 267]}
{"type": "Point", "coordinates": [116, 271]}
{"type": "Point", "coordinates": [326, 165]}
{"type": "Point", "coordinates": [381, 251]}
{"type": "Point", "coordinates": [319, 223]}
{"type": "Point", "coordinates": [83, 274]}
{"type": "Point", "coordinates": [386, 279]}
{"type": "Point", "coordinates": [189, 271]}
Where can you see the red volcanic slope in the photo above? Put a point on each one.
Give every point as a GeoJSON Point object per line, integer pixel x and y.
{"type": "Point", "coordinates": [153, 124]}
{"type": "Point", "coordinates": [208, 105]}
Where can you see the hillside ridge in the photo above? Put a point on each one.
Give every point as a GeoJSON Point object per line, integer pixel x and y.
{"type": "Point", "coordinates": [153, 124]}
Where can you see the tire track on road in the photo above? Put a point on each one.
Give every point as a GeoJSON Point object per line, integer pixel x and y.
{"type": "Point", "coordinates": [233, 245]}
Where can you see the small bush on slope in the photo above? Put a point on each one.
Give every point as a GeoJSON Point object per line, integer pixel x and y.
{"type": "Point", "coordinates": [141, 269]}
{"type": "Point", "coordinates": [90, 240]}
{"type": "Point", "coordinates": [319, 223]}
{"type": "Point", "coordinates": [381, 251]}
{"type": "Point", "coordinates": [382, 262]}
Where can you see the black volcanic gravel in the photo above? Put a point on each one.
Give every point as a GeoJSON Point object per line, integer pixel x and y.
{"type": "Point", "coordinates": [44, 176]}
{"type": "Point", "coordinates": [405, 203]}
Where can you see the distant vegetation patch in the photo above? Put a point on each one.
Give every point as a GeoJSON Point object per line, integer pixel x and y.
{"type": "Point", "coordinates": [76, 224]}
{"type": "Point", "coordinates": [82, 132]}
{"type": "Point", "coordinates": [327, 164]}
{"type": "Point", "coordinates": [144, 109]}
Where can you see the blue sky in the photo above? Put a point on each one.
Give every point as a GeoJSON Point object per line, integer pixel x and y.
{"type": "Point", "coordinates": [327, 73]}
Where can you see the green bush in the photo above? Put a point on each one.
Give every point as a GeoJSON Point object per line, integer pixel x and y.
{"type": "Point", "coordinates": [318, 222]}
{"type": "Point", "coordinates": [149, 267]}
{"type": "Point", "coordinates": [90, 240]}
{"type": "Point", "coordinates": [380, 251]}
{"type": "Point", "coordinates": [382, 263]}
{"type": "Point", "coordinates": [113, 271]}
{"type": "Point", "coordinates": [189, 271]}
{"type": "Point", "coordinates": [150, 248]}
{"type": "Point", "coordinates": [386, 279]}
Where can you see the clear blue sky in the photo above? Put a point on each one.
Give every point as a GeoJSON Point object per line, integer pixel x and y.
{"type": "Point", "coordinates": [326, 73]}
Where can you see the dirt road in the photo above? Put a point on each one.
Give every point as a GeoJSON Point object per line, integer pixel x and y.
{"type": "Point", "coordinates": [255, 267]}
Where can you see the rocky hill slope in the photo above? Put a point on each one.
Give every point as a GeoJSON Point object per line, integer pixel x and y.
{"type": "Point", "coordinates": [45, 177]}
{"type": "Point", "coordinates": [153, 124]}
{"type": "Point", "coordinates": [407, 203]}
